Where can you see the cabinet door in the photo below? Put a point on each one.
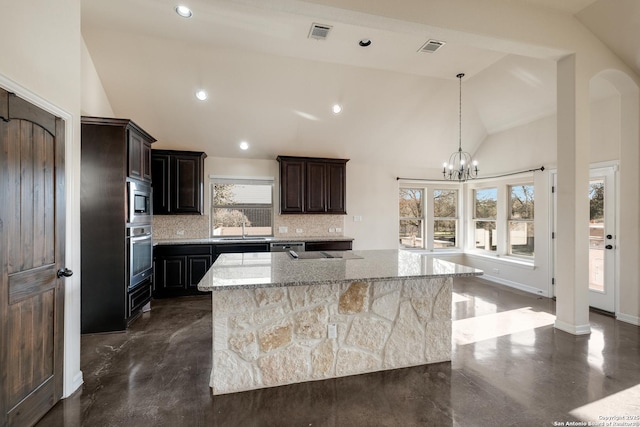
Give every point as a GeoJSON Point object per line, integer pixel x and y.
{"type": "Point", "coordinates": [335, 184]}
{"type": "Point", "coordinates": [198, 266]}
{"type": "Point", "coordinates": [135, 143]}
{"type": "Point", "coordinates": [291, 186]}
{"type": "Point", "coordinates": [186, 194]}
{"type": "Point", "coordinates": [146, 161]}
{"type": "Point", "coordinates": [170, 275]}
{"type": "Point", "coordinates": [160, 184]}
{"type": "Point", "coordinates": [316, 180]}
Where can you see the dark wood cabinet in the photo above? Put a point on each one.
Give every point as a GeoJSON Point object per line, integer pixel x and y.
{"type": "Point", "coordinates": [112, 152]}
{"type": "Point", "coordinates": [291, 185]}
{"type": "Point", "coordinates": [178, 182]}
{"type": "Point", "coordinates": [179, 268]}
{"type": "Point", "coordinates": [329, 245]}
{"type": "Point", "coordinates": [311, 185]}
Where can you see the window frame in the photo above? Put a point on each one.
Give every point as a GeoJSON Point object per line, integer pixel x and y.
{"type": "Point", "coordinates": [241, 180]}
{"type": "Point", "coordinates": [427, 220]}
{"type": "Point", "coordinates": [406, 218]}
{"type": "Point", "coordinates": [475, 219]}
{"type": "Point", "coordinates": [511, 219]}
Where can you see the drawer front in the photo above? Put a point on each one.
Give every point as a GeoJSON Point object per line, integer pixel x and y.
{"type": "Point", "coordinates": [139, 297]}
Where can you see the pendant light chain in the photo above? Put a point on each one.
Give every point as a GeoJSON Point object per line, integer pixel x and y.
{"type": "Point", "coordinates": [460, 167]}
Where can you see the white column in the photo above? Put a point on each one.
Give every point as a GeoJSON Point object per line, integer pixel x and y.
{"type": "Point", "coordinates": [572, 258]}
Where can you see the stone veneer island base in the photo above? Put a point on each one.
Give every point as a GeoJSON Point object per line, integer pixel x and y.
{"type": "Point", "coordinates": [278, 320]}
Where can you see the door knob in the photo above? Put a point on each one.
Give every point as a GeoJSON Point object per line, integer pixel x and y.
{"type": "Point", "coordinates": [609, 236]}
{"type": "Point", "coordinates": [64, 272]}
{"type": "Point", "coordinates": [609, 247]}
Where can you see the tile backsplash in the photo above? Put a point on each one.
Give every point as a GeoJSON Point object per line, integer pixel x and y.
{"type": "Point", "coordinates": [166, 227]}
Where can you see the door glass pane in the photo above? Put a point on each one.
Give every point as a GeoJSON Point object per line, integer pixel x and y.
{"type": "Point", "coordinates": [596, 235]}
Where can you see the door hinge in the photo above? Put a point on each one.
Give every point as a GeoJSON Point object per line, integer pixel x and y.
{"type": "Point", "coordinates": [553, 188]}
{"type": "Point", "coordinates": [553, 280]}
{"type": "Point", "coordinates": [553, 234]}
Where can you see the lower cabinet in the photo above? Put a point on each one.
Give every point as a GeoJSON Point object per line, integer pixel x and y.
{"type": "Point", "coordinates": [179, 268]}
{"type": "Point", "coordinates": [329, 245]}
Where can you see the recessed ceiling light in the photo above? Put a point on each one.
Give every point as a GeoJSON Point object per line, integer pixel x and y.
{"type": "Point", "coordinates": [337, 108]}
{"type": "Point", "coordinates": [184, 11]}
{"type": "Point", "coordinates": [365, 42]}
{"type": "Point", "coordinates": [244, 145]}
{"type": "Point", "coordinates": [201, 95]}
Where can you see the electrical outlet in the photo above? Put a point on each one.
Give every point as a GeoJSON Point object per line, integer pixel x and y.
{"type": "Point", "coordinates": [180, 232]}
{"type": "Point", "coordinates": [357, 218]}
{"type": "Point", "coordinates": [332, 230]}
{"type": "Point", "coordinates": [298, 230]}
{"type": "Point", "coordinates": [283, 229]}
{"type": "Point", "coordinates": [496, 271]}
{"type": "Point", "coordinates": [338, 230]}
{"type": "Point", "coordinates": [332, 331]}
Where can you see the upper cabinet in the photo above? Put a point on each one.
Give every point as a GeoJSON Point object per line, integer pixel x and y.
{"type": "Point", "coordinates": [134, 140]}
{"type": "Point", "coordinates": [310, 185]}
{"type": "Point", "coordinates": [178, 182]}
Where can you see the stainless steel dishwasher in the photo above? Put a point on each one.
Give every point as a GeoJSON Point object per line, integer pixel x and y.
{"type": "Point", "coordinates": [287, 246]}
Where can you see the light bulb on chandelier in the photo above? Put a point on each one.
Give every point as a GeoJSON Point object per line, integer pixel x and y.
{"type": "Point", "coordinates": [460, 167]}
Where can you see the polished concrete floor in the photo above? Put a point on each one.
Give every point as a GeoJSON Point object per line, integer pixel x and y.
{"type": "Point", "coordinates": [510, 367]}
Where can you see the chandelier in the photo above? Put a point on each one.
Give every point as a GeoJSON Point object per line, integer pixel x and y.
{"type": "Point", "coordinates": [460, 167]}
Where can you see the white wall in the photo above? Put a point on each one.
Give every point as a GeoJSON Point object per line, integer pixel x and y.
{"type": "Point", "coordinates": [94, 101]}
{"type": "Point", "coordinates": [41, 63]}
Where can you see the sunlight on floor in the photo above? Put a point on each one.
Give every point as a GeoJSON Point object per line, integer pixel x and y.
{"type": "Point", "coordinates": [475, 329]}
{"type": "Point", "coordinates": [622, 408]}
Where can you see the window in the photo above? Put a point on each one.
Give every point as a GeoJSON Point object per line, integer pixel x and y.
{"type": "Point", "coordinates": [485, 210]}
{"type": "Point", "coordinates": [411, 217]}
{"type": "Point", "coordinates": [445, 218]}
{"type": "Point", "coordinates": [241, 207]}
{"type": "Point", "coordinates": [521, 235]}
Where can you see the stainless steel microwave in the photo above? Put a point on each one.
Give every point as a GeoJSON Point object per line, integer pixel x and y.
{"type": "Point", "coordinates": [139, 209]}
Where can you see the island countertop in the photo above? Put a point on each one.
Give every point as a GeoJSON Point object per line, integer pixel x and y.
{"type": "Point", "coordinates": [279, 269]}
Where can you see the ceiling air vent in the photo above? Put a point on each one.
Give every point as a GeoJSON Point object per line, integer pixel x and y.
{"type": "Point", "coordinates": [319, 31]}
{"type": "Point", "coordinates": [431, 46]}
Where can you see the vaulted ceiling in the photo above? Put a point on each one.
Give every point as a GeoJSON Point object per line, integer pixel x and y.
{"type": "Point", "coordinates": [272, 86]}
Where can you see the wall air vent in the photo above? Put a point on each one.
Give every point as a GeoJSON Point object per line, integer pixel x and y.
{"type": "Point", "coordinates": [431, 46]}
{"type": "Point", "coordinates": [319, 31]}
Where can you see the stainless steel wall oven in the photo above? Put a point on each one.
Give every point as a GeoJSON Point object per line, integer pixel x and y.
{"type": "Point", "coordinates": [140, 250]}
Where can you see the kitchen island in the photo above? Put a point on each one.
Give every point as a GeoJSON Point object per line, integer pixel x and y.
{"type": "Point", "coordinates": [280, 320]}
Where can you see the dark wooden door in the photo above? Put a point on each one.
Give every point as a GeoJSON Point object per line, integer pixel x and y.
{"type": "Point", "coordinates": [32, 219]}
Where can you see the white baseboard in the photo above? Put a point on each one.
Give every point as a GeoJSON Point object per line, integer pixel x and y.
{"type": "Point", "coordinates": [572, 329]}
{"type": "Point", "coordinates": [634, 320]}
{"type": "Point", "coordinates": [77, 382]}
{"type": "Point", "coordinates": [516, 285]}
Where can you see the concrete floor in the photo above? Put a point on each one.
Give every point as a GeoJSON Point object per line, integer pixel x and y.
{"type": "Point", "coordinates": [510, 367]}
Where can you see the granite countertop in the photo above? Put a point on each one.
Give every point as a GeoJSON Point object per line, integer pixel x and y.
{"type": "Point", "coordinates": [278, 269]}
{"type": "Point", "coordinates": [216, 240]}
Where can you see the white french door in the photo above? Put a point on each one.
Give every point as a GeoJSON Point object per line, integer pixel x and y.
{"type": "Point", "coordinates": [602, 237]}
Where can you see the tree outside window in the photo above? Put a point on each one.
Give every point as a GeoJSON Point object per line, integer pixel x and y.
{"type": "Point", "coordinates": [241, 207]}
{"type": "Point", "coordinates": [484, 218]}
{"type": "Point", "coordinates": [521, 220]}
{"type": "Point", "coordinates": [445, 218]}
{"type": "Point", "coordinates": [411, 217]}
